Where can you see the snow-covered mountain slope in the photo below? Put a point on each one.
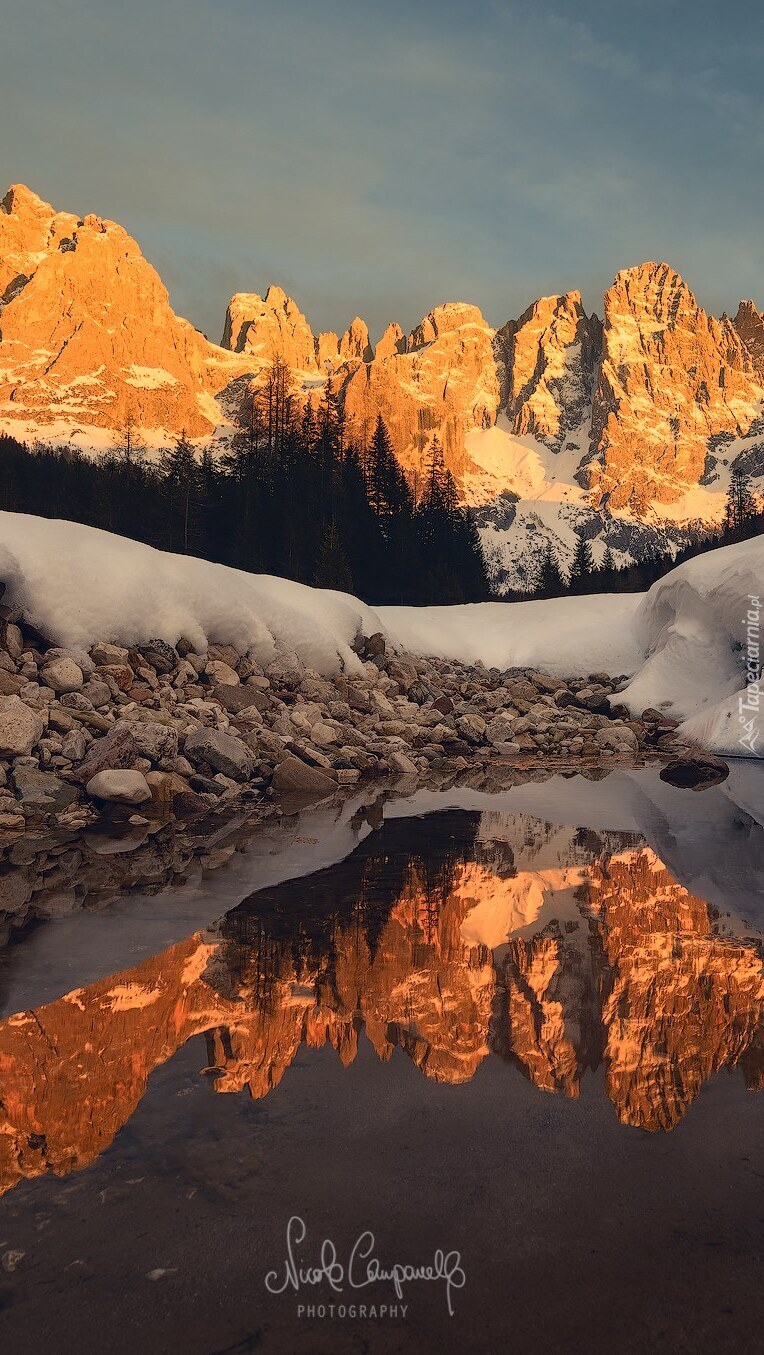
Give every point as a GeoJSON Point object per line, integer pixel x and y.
{"type": "Point", "coordinates": [558, 424]}
{"type": "Point", "coordinates": [685, 644]}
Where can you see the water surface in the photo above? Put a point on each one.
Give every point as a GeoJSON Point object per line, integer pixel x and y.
{"type": "Point", "coordinates": [525, 1028]}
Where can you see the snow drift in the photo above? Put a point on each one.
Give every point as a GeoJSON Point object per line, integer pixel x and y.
{"type": "Point", "coordinates": [699, 630]}
{"type": "Point", "coordinates": [684, 645]}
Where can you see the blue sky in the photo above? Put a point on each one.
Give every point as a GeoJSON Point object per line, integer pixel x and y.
{"type": "Point", "coordinates": [381, 158]}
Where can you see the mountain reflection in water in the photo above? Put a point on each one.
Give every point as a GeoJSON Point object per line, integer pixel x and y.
{"type": "Point", "coordinates": [454, 937]}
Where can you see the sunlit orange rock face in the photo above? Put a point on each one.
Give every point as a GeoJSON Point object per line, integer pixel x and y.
{"type": "Point", "coordinates": [442, 379]}
{"type": "Point", "coordinates": [445, 381]}
{"type": "Point", "coordinates": [87, 334]}
{"type": "Point", "coordinates": [627, 972]}
{"type": "Point", "coordinates": [550, 356]}
{"type": "Point", "coordinates": [88, 340]}
{"type": "Point", "coordinates": [671, 376]}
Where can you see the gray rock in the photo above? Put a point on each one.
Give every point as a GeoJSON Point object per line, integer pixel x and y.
{"type": "Point", "coordinates": [42, 790]}
{"type": "Point", "coordinates": [205, 785]}
{"type": "Point", "coordinates": [76, 701]}
{"type": "Point", "coordinates": [119, 787]}
{"type": "Point", "coordinates": [117, 749]}
{"type": "Point", "coordinates": [20, 727]}
{"type": "Point", "coordinates": [225, 752]}
{"type": "Point", "coordinates": [221, 674]}
{"type": "Point", "coordinates": [75, 745]}
{"type": "Point", "coordinates": [152, 740]}
{"type": "Point", "coordinates": [98, 693]}
{"type": "Point", "coordinates": [471, 727]}
{"type": "Point", "coordinates": [500, 730]}
{"type": "Point", "coordinates": [695, 770]}
{"type": "Point", "coordinates": [11, 683]}
{"type": "Point", "coordinates": [13, 640]}
{"type": "Point", "coordinates": [323, 734]}
{"type": "Point", "coordinates": [234, 698]}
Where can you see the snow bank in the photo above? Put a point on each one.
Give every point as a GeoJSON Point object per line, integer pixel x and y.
{"type": "Point", "coordinates": [699, 627]}
{"type": "Point", "coordinates": [683, 644]}
{"type": "Point", "coordinates": [568, 637]}
{"type": "Point", "coordinates": [78, 585]}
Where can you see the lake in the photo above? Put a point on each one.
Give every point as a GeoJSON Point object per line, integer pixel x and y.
{"type": "Point", "coordinates": [452, 1072]}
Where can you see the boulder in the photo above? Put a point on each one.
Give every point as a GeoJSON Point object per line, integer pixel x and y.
{"type": "Point", "coordinates": [471, 727]}
{"type": "Point", "coordinates": [75, 745]}
{"type": "Point", "coordinates": [500, 730]}
{"type": "Point", "coordinates": [227, 654]}
{"type": "Point", "coordinates": [120, 787]}
{"type": "Point", "coordinates": [401, 765]}
{"type": "Point", "coordinates": [42, 790]}
{"type": "Point", "coordinates": [324, 735]}
{"type": "Point", "coordinates": [651, 716]}
{"type": "Point", "coordinates": [695, 771]}
{"type": "Point", "coordinates": [121, 673]}
{"type": "Point", "coordinates": [618, 738]}
{"type": "Point", "coordinates": [222, 674]}
{"type": "Point", "coordinates": [20, 727]}
{"type": "Point", "coordinates": [13, 640]}
{"type": "Point", "coordinates": [225, 752]}
{"type": "Point", "coordinates": [108, 654]}
{"type": "Point", "coordinates": [234, 697]}
{"type": "Point", "coordinates": [544, 683]}
{"type": "Point", "coordinates": [375, 646]}
{"type": "Point", "coordinates": [97, 692]}
{"type": "Point", "coordinates": [62, 675]}
{"type": "Point", "coordinates": [292, 775]}
{"type": "Point", "coordinates": [161, 656]}
{"type": "Point", "coordinates": [117, 749]}
{"type": "Point", "coordinates": [11, 683]}
{"type": "Point", "coordinates": [151, 739]}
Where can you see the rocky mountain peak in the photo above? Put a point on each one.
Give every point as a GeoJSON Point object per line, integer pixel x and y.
{"type": "Point", "coordinates": [749, 323]}
{"type": "Point", "coordinates": [452, 315]}
{"type": "Point", "coordinates": [393, 341]}
{"type": "Point", "coordinates": [267, 327]}
{"type": "Point", "coordinates": [549, 357]}
{"type": "Point", "coordinates": [88, 334]}
{"type": "Point", "coordinates": [22, 201]}
{"type": "Point", "coordinates": [355, 344]}
{"type": "Point", "coordinates": [670, 378]}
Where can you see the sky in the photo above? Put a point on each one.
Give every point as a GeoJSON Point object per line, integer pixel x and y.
{"type": "Point", "coordinates": [378, 159]}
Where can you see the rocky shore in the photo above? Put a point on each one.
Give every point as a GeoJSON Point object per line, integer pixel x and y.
{"type": "Point", "coordinates": [125, 768]}
{"type": "Point", "coordinates": [160, 729]}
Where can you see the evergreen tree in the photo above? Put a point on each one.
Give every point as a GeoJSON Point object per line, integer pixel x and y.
{"type": "Point", "coordinates": [332, 568]}
{"type": "Point", "coordinates": [181, 485]}
{"type": "Point", "coordinates": [582, 567]}
{"type": "Point", "coordinates": [741, 509]}
{"type": "Point", "coordinates": [130, 444]}
{"type": "Point", "coordinates": [551, 583]}
{"type": "Point", "coordinates": [387, 487]}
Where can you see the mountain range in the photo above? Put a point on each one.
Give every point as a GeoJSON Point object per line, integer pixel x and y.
{"type": "Point", "coordinates": [558, 424]}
